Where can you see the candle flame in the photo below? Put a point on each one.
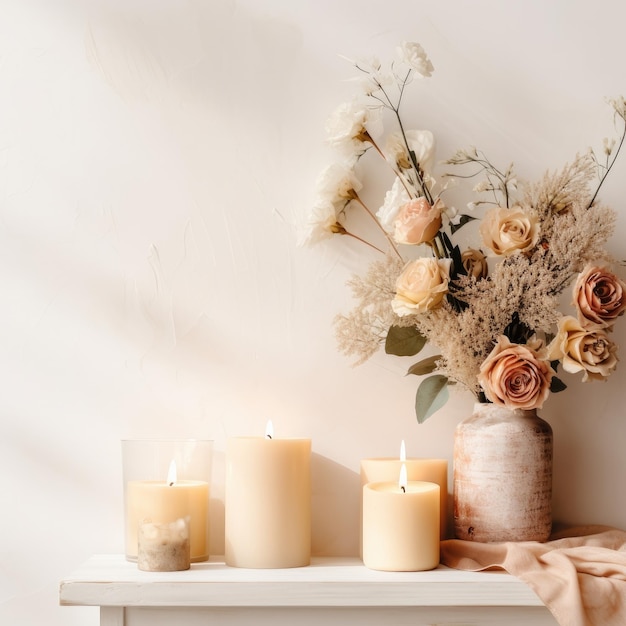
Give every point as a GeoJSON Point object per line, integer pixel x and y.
{"type": "Point", "coordinates": [402, 483]}
{"type": "Point", "coordinates": [402, 451]}
{"type": "Point", "coordinates": [269, 430]}
{"type": "Point", "coordinates": [171, 474]}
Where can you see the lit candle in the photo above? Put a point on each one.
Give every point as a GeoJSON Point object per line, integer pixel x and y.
{"type": "Point", "coordinates": [164, 547]}
{"type": "Point", "coordinates": [428, 470]}
{"type": "Point", "coordinates": [164, 502]}
{"type": "Point", "coordinates": [268, 502]}
{"type": "Point", "coordinates": [401, 525]}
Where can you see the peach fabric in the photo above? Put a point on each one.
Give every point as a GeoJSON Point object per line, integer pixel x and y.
{"type": "Point", "coordinates": [579, 574]}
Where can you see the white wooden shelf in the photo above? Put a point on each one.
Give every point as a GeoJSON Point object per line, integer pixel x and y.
{"type": "Point", "coordinates": [330, 588]}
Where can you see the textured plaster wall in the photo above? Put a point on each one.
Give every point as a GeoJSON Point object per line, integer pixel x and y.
{"type": "Point", "coordinates": [156, 160]}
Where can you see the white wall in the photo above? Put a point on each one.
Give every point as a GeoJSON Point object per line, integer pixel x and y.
{"type": "Point", "coordinates": [156, 157]}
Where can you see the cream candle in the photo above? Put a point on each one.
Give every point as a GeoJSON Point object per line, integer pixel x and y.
{"type": "Point", "coordinates": [268, 502]}
{"type": "Point", "coordinates": [163, 502]}
{"type": "Point", "coordinates": [164, 547]}
{"type": "Point", "coordinates": [401, 525]}
{"type": "Point", "coordinates": [387, 469]}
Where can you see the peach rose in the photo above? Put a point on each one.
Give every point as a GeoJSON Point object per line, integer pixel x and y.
{"type": "Point", "coordinates": [475, 263]}
{"type": "Point", "coordinates": [583, 350]}
{"type": "Point", "coordinates": [417, 222]}
{"type": "Point", "coordinates": [421, 286]}
{"type": "Point", "coordinates": [507, 230]}
{"type": "Point", "coordinates": [515, 376]}
{"type": "Point", "coordinates": [599, 297]}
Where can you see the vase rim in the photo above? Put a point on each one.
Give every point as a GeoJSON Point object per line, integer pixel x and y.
{"type": "Point", "coordinates": [484, 406]}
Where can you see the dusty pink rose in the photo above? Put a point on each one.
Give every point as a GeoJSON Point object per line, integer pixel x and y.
{"type": "Point", "coordinates": [417, 222]}
{"type": "Point", "coordinates": [421, 286]}
{"type": "Point", "coordinates": [587, 350]}
{"type": "Point", "coordinates": [599, 297]}
{"type": "Point", "coordinates": [515, 376]}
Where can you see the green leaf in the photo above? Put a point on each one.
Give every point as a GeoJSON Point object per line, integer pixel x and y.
{"type": "Point", "coordinates": [556, 385]}
{"type": "Point", "coordinates": [425, 366]}
{"type": "Point", "coordinates": [431, 395]}
{"type": "Point", "coordinates": [464, 219]}
{"type": "Point", "coordinates": [404, 341]}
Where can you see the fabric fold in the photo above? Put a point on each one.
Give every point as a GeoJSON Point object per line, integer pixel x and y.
{"type": "Point", "coordinates": [579, 574]}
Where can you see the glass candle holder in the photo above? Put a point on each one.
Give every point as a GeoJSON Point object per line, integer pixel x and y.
{"type": "Point", "coordinates": [164, 547]}
{"type": "Point", "coordinates": [166, 481]}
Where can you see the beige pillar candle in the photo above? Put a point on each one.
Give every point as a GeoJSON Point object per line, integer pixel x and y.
{"type": "Point", "coordinates": [268, 502]}
{"type": "Point", "coordinates": [428, 470]}
{"type": "Point", "coordinates": [164, 547]}
{"type": "Point", "coordinates": [166, 501]}
{"type": "Point", "coordinates": [401, 526]}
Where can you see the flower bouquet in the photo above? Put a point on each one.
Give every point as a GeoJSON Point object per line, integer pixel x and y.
{"type": "Point", "coordinates": [491, 311]}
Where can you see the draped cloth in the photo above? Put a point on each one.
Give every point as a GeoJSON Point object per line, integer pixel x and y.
{"type": "Point", "coordinates": [579, 573]}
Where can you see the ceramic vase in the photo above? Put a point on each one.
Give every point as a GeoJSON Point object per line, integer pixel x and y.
{"type": "Point", "coordinates": [502, 476]}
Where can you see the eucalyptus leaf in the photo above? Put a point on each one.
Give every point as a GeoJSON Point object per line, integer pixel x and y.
{"type": "Point", "coordinates": [425, 366]}
{"type": "Point", "coordinates": [431, 395]}
{"type": "Point", "coordinates": [464, 219]}
{"type": "Point", "coordinates": [404, 341]}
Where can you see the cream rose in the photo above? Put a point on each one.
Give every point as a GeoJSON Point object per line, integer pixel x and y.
{"type": "Point", "coordinates": [507, 230]}
{"type": "Point", "coordinates": [515, 376]}
{"type": "Point", "coordinates": [417, 222]}
{"type": "Point", "coordinates": [421, 286]}
{"type": "Point", "coordinates": [583, 350]}
{"type": "Point", "coordinates": [599, 297]}
{"type": "Point", "coordinates": [475, 263]}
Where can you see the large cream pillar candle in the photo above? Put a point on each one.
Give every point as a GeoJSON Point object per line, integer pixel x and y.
{"type": "Point", "coordinates": [268, 502]}
{"type": "Point", "coordinates": [428, 470]}
{"type": "Point", "coordinates": [401, 526]}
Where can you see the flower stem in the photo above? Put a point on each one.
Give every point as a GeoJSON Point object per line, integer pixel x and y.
{"type": "Point", "coordinates": [378, 224]}
{"type": "Point", "coordinates": [608, 169]}
{"type": "Point", "coordinates": [367, 137]}
{"type": "Point", "coordinates": [367, 243]}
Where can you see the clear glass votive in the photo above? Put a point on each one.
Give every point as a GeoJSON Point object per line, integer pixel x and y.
{"type": "Point", "coordinates": [166, 481]}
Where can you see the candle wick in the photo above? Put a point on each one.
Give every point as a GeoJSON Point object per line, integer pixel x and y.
{"type": "Point", "coordinates": [268, 436]}
{"type": "Point", "coordinates": [403, 489]}
{"type": "Point", "coordinates": [171, 484]}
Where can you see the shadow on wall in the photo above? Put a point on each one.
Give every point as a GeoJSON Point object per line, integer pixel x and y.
{"type": "Point", "coordinates": [335, 497]}
{"type": "Point", "coordinates": [335, 492]}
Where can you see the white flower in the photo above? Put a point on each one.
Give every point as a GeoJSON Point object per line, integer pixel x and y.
{"type": "Point", "coordinates": [338, 184]}
{"type": "Point", "coordinates": [322, 223]}
{"type": "Point", "coordinates": [619, 104]}
{"type": "Point", "coordinates": [482, 186]}
{"type": "Point", "coordinates": [375, 76]}
{"type": "Point", "coordinates": [350, 123]}
{"type": "Point", "coordinates": [422, 142]}
{"type": "Point", "coordinates": [394, 199]}
{"type": "Point", "coordinates": [416, 58]}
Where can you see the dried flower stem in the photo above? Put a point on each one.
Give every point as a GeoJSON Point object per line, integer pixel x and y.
{"type": "Point", "coordinates": [392, 244]}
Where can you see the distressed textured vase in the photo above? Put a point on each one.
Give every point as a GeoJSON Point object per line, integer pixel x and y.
{"type": "Point", "coordinates": [502, 476]}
